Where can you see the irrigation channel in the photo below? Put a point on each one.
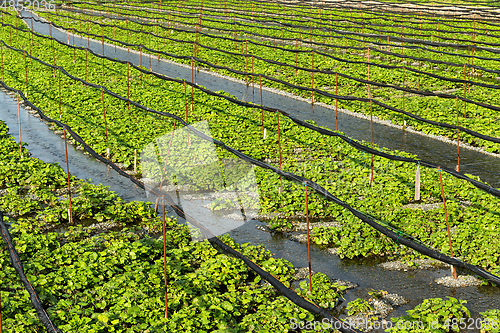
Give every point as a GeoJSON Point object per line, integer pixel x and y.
{"type": "Point", "coordinates": [415, 285]}
{"type": "Point", "coordinates": [393, 138]}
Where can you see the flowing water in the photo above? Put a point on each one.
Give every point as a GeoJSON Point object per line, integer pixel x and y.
{"type": "Point", "coordinates": [414, 285]}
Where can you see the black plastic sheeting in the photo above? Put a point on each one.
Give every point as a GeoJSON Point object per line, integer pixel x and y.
{"type": "Point", "coordinates": [363, 6]}
{"type": "Point", "coordinates": [487, 188]}
{"type": "Point", "coordinates": [216, 242]}
{"type": "Point", "coordinates": [315, 22]}
{"type": "Point", "coordinates": [395, 236]}
{"type": "Point", "coordinates": [18, 266]}
{"type": "Point", "coordinates": [318, 44]}
{"type": "Point", "coordinates": [321, 92]}
{"type": "Point", "coordinates": [471, 44]}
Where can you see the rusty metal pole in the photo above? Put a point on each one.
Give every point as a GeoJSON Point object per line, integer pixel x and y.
{"type": "Point", "coordinates": [371, 131]}
{"type": "Point", "coordinates": [26, 72]}
{"type": "Point", "coordinates": [70, 215]}
{"type": "Point", "coordinates": [336, 102]}
{"type": "Point", "coordinates": [1, 51]}
{"type": "Point", "coordinates": [419, 66]}
{"type": "Point", "coordinates": [296, 54]}
{"type": "Point", "coordinates": [253, 84]}
{"type": "Point", "coordinates": [404, 122]}
{"type": "Point", "coordinates": [453, 270]}
{"type": "Point", "coordinates": [164, 257]}
{"type": "Point", "coordinates": [458, 143]}
{"type": "Point", "coordinates": [261, 110]}
{"type": "Point", "coordinates": [308, 242]}
{"type": "Point", "coordinates": [128, 85]}
{"type": "Point", "coordinates": [465, 93]}
{"type": "Point", "coordinates": [105, 124]}
{"type": "Point", "coordinates": [19, 120]}
{"type": "Point", "coordinates": [279, 149]}
{"type": "Point", "coordinates": [312, 79]}
{"type": "Point", "coordinates": [102, 56]}
{"type": "Point", "coordinates": [86, 51]}
{"type": "Point", "coordinates": [168, 154]}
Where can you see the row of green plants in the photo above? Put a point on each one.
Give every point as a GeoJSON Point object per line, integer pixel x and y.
{"type": "Point", "coordinates": [438, 109]}
{"type": "Point", "coordinates": [316, 17]}
{"type": "Point", "coordinates": [331, 163]}
{"type": "Point", "coordinates": [113, 282]}
{"type": "Point", "coordinates": [91, 281]}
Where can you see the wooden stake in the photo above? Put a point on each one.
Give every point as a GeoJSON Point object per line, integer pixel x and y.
{"type": "Point", "coordinates": [135, 160]}
{"type": "Point", "coordinates": [453, 270]}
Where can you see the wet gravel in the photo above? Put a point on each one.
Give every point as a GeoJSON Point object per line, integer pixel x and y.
{"type": "Point", "coordinates": [419, 264]}
{"type": "Point", "coordinates": [460, 282]}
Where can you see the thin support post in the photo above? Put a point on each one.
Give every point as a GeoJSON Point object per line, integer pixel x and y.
{"type": "Point", "coordinates": [279, 148]}
{"type": "Point", "coordinates": [458, 143]}
{"type": "Point", "coordinates": [102, 55]}
{"type": "Point", "coordinates": [261, 110]}
{"type": "Point", "coordinates": [371, 131]}
{"type": "Point", "coordinates": [336, 102]}
{"type": "Point", "coordinates": [128, 85]}
{"type": "Point", "coordinates": [105, 124]}
{"type": "Point", "coordinates": [1, 51]}
{"type": "Point", "coordinates": [419, 66]}
{"type": "Point", "coordinates": [308, 242]}
{"type": "Point", "coordinates": [135, 160]}
{"type": "Point", "coordinates": [86, 79]}
{"type": "Point", "coordinates": [253, 84]}
{"type": "Point", "coordinates": [166, 157]}
{"type": "Point", "coordinates": [465, 93]}
{"type": "Point", "coordinates": [296, 54]}
{"type": "Point", "coordinates": [185, 101]}
{"type": "Point", "coordinates": [26, 72]}
{"type": "Point", "coordinates": [404, 122]}
{"type": "Point", "coordinates": [312, 79]}
{"type": "Point", "coordinates": [164, 257]}
{"type": "Point", "coordinates": [70, 213]}
{"type": "Point", "coordinates": [453, 270]}
{"type": "Point", "coordinates": [19, 120]}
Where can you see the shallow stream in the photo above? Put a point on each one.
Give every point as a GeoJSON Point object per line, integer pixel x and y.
{"type": "Point", "coordinates": [414, 285]}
